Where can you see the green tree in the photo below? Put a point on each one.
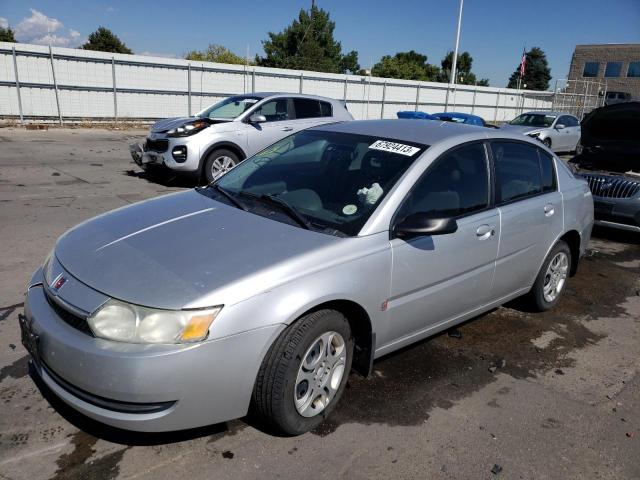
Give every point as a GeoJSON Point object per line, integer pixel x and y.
{"type": "Point", "coordinates": [464, 75]}
{"type": "Point", "coordinates": [536, 74]}
{"type": "Point", "coordinates": [104, 40]}
{"type": "Point", "coordinates": [6, 35]}
{"type": "Point", "coordinates": [308, 44]}
{"type": "Point", "coordinates": [215, 53]}
{"type": "Point", "coordinates": [409, 65]}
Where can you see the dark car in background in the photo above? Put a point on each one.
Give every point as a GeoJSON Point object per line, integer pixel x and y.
{"type": "Point", "coordinates": [610, 162]}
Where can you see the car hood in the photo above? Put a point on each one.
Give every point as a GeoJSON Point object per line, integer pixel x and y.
{"type": "Point", "coordinates": [169, 123]}
{"type": "Point", "coordinates": [520, 128]}
{"type": "Point", "coordinates": [171, 251]}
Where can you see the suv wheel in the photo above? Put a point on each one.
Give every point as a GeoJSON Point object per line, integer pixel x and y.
{"type": "Point", "coordinates": [552, 278]}
{"type": "Point", "coordinates": [218, 163]}
{"type": "Point", "coordinates": [304, 373]}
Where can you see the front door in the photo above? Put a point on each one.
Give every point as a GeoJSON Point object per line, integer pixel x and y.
{"type": "Point", "coordinates": [437, 278]}
{"type": "Point", "coordinates": [280, 123]}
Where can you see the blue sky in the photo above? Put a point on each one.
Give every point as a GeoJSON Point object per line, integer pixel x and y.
{"type": "Point", "coordinates": [493, 31]}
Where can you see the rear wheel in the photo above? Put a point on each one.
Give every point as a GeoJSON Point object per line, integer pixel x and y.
{"type": "Point", "coordinates": [552, 278]}
{"type": "Point", "coordinates": [304, 373]}
{"type": "Point", "coordinates": [218, 163]}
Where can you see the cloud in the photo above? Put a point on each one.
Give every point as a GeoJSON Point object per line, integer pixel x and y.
{"type": "Point", "coordinates": [112, 9]}
{"type": "Point", "coordinates": [4, 23]}
{"type": "Point", "coordinates": [43, 30]}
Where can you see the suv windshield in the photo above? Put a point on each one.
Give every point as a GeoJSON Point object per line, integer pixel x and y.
{"type": "Point", "coordinates": [333, 180]}
{"type": "Point", "coordinates": [229, 108]}
{"type": "Point", "coordinates": [533, 120]}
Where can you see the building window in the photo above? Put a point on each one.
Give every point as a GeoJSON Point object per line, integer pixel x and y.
{"type": "Point", "coordinates": [634, 69]}
{"type": "Point", "coordinates": [591, 69]}
{"type": "Point", "coordinates": [613, 69]}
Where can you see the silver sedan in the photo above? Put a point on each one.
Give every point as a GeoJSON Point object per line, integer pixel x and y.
{"type": "Point", "coordinates": [558, 131]}
{"type": "Point", "coordinates": [329, 249]}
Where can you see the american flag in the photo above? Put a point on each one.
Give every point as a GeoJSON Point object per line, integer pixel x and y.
{"type": "Point", "coordinates": [523, 63]}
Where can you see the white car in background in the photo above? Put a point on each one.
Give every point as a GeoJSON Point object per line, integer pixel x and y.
{"type": "Point", "coordinates": [219, 137]}
{"type": "Point", "coordinates": [558, 131]}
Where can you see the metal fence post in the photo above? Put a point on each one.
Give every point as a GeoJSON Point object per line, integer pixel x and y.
{"type": "Point", "coordinates": [253, 80]}
{"type": "Point", "coordinates": [446, 99]}
{"type": "Point", "coordinates": [15, 69]}
{"type": "Point", "coordinates": [384, 93]}
{"type": "Point", "coordinates": [301, 79]}
{"type": "Point", "coordinates": [495, 113]}
{"type": "Point", "coordinates": [473, 102]}
{"type": "Point", "coordinates": [553, 99]}
{"type": "Point", "coordinates": [115, 95]}
{"type": "Point", "coordinates": [344, 94]}
{"type": "Point", "coordinates": [189, 90]}
{"type": "Point", "coordinates": [55, 84]}
{"type": "Point", "coordinates": [417, 97]}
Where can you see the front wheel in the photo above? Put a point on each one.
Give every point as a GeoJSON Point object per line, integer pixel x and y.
{"type": "Point", "coordinates": [547, 142]}
{"type": "Point", "coordinates": [304, 373]}
{"type": "Point", "coordinates": [552, 278]}
{"type": "Point", "coordinates": [218, 163]}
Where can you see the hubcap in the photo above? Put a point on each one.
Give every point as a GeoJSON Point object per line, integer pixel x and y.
{"type": "Point", "coordinates": [555, 276]}
{"type": "Point", "coordinates": [320, 374]}
{"type": "Point", "coordinates": [221, 165]}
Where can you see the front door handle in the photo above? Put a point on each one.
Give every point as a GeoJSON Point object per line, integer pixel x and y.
{"type": "Point", "coordinates": [287, 129]}
{"type": "Point", "coordinates": [549, 209]}
{"type": "Point", "coordinates": [485, 231]}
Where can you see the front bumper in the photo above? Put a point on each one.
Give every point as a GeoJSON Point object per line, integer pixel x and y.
{"type": "Point", "coordinates": [144, 156]}
{"type": "Point", "coordinates": [619, 213]}
{"type": "Point", "coordinates": [147, 388]}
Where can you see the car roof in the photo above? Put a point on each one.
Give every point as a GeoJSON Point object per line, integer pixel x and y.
{"type": "Point", "coordinates": [291, 94]}
{"type": "Point", "coordinates": [427, 132]}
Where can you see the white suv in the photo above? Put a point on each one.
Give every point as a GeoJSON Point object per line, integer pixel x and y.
{"type": "Point", "coordinates": [221, 136]}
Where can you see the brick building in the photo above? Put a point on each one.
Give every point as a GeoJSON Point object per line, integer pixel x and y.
{"type": "Point", "coordinates": [616, 64]}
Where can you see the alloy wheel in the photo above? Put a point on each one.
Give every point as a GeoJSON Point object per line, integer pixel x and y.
{"type": "Point", "coordinates": [555, 276]}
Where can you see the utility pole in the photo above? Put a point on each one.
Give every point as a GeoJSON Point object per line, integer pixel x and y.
{"type": "Point", "coordinates": [452, 79]}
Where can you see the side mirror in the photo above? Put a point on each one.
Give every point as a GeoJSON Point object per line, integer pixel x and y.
{"type": "Point", "coordinates": [419, 224]}
{"type": "Point", "coordinates": [257, 119]}
{"type": "Point", "coordinates": [559, 126]}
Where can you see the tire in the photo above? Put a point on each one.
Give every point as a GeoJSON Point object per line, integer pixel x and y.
{"type": "Point", "coordinates": [279, 395]}
{"type": "Point", "coordinates": [578, 149]}
{"type": "Point", "coordinates": [218, 163]}
{"type": "Point", "coordinates": [544, 295]}
{"type": "Point", "coordinates": [547, 142]}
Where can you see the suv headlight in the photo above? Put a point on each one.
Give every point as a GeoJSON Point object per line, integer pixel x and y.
{"type": "Point", "coordinates": [534, 134]}
{"type": "Point", "coordinates": [124, 322]}
{"type": "Point", "coordinates": [188, 129]}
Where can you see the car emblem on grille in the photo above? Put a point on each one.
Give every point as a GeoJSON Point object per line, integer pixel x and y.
{"type": "Point", "coordinates": [58, 282]}
{"type": "Point", "coordinates": [606, 186]}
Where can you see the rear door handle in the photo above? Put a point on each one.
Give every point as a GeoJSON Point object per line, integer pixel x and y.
{"type": "Point", "coordinates": [485, 231]}
{"type": "Point", "coordinates": [549, 209]}
{"type": "Point", "coordinates": [287, 129]}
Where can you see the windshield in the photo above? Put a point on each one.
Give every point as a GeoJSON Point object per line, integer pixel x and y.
{"type": "Point", "coordinates": [230, 107]}
{"type": "Point", "coordinates": [332, 180]}
{"type": "Point", "coordinates": [533, 120]}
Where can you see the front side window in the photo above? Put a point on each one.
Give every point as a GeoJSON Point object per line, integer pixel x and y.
{"type": "Point", "coordinates": [591, 69]}
{"type": "Point", "coordinates": [275, 110]}
{"type": "Point", "coordinates": [334, 180]}
{"type": "Point", "coordinates": [457, 184]}
{"type": "Point", "coordinates": [518, 172]}
{"type": "Point", "coordinates": [229, 108]}
{"type": "Point", "coordinates": [633, 70]}
{"type": "Point", "coordinates": [533, 120]}
{"type": "Point", "coordinates": [613, 69]}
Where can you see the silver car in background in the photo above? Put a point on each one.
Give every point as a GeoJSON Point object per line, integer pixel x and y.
{"type": "Point", "coordinates": [327, 250]}
{"type": "Point", "coordinates": [558, 131]}
{"type": "Point", "coordinates": [219, 137]}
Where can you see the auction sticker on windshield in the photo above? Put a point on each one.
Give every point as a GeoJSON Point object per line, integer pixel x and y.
{"type": "Point", "coordinates": [400, 148]}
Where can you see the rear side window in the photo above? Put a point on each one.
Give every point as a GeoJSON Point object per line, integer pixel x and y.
{"type": "Point", "coordinates": [548, 172]}
{"type": "Point", "coordinates": [518, 172]}
{"type": "Point", "coordinates": [457, 184]}
{"type": "Point", "coordinates": [309, 108]}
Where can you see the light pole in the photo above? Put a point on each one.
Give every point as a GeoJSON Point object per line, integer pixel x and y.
{"type": "Point", "coordinates": [452, 79]}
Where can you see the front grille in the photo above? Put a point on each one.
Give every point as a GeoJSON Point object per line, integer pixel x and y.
{"type": "Point", "coordinates": [69, 318]}
{"type": "Point", "coordinates": [612, 187]}
{"type": "Point", "coordinates": [159, 146]}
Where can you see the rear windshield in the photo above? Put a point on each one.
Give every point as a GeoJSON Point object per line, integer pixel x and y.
{"type": "Point", "coordinates": [334, 180]}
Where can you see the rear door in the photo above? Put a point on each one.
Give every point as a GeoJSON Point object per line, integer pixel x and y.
{"type": "Point", "coordinates": [531, 213]}
{"type": "Point", "coordinates": [280, 123]}
{"type": "Point", "coordinates": [437, 278]}
{"type": "Point", "coordinates": [310, 112]}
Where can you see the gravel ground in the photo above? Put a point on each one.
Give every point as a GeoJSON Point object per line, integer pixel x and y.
{"type": "Point", "coordinates": [565, 404]}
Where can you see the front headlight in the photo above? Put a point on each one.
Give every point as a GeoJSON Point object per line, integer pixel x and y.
{"type": "Point", "coordinates": [124, 322]}
{"type": "Point", "coordinates": [188, 129]}
{"type": "Point", "coordinates": [534, 134]}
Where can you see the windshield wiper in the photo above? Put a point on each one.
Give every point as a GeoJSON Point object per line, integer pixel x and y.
{"type": "Point", "coordinates": [229, 197]}
{"type": "Point", "coordinates": [284, 206]}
